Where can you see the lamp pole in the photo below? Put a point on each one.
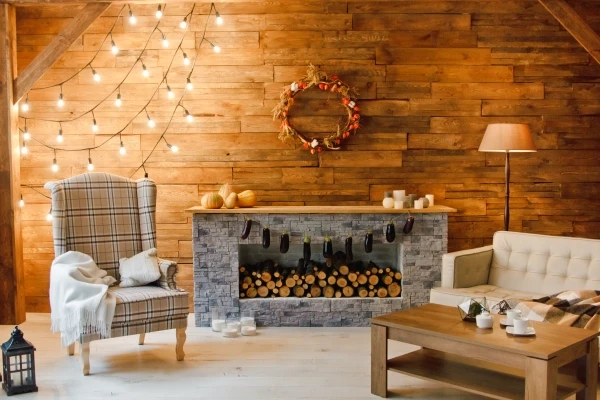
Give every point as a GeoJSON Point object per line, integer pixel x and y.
{"type": "Point", "coordinates": [506, 191]}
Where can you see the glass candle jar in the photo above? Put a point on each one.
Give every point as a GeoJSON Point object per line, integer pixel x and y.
{"type": "Point", "coordinates": [218, 319]}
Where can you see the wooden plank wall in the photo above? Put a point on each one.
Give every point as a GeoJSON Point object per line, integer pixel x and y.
{"type": "Point", "coordinates": [431, 76]}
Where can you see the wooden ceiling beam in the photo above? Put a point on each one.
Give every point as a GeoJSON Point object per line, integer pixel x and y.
{"type": "Point", "coordinates": [575, 25]}
{"type": "Point", "coordinates": [56, 48]}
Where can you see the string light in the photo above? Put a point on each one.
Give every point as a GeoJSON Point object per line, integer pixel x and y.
{"type": "Point", "coordinates": [219, 18]}
{"type": "Point", "coordinates": [132, 18]}
{"type": "Point", "coordinates": [113, 46]}
{"type": "Point", "coordinates": [25, 105]}
{"type": "Point", "coordinates": [159, 12]}
{"type": "Point", "coordinates": [24, 149]}
{"type": "Point", "coordinates": [21, 202]}
{"type": "Point", "coordinates": [122, 149]}
{"type": "Point", "coordinates": [59, 137]}
{"type": "Point", "coordinates": [145, 71]}
{"type": "Point", "coordinates": [96, 76]}
{"type": "Point", "coordinates": [54, 163]}
{"type": "Point", "coordinates": [49, 215]}
{"type": "Point", "coordinates": [183, 23]}
{"type": "Point", "coordinates": [165, 42]}
{"type": "Point", "coordinates": [216, 48]}
{"type": "Point", "coordinates": [90, 166]}
{"type": "Point", "coordinates": [189, 85]}
{"type": "Point", "coordinates": [173, 148]}
{"type": "Point", "coordinates": [151, 123]}
{"type": "Point", "coordinates": [186, 60]}
{"type": "Point", "coordinates": [118, 101]}
{"type": "Point", "coordinates": [26, 134]}
{"type": "Point", "coordinates": [95, 124]}
{"type": "Point", "coordinates": [188, 117]}
{"type": "Point", "coordinates": [60, 101]}
{"type": "Point", "coordinates": [170, 93]}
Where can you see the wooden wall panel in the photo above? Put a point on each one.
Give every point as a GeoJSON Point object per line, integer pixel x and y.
{"type": "Point", "coordinates": [431, 75]}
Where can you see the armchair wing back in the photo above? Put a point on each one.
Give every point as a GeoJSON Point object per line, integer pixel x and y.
{"type": "Point", "coordinates": [103, 215]}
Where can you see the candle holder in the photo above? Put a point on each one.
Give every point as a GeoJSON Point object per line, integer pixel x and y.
{"type": "Point", "coordinates": [218, 319]}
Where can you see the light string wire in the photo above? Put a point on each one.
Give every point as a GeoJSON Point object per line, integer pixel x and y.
{"type": "Point", "coordinates": [89, 64]}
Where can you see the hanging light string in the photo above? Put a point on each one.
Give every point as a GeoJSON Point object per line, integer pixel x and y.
{"type": "Point", "coordinates": [32, 187]}
{"type": "Point", "coordinates": [179, 103]}
{"type": "Point", "coordinates": [139, 59]}
{"type": "Point", "coordinates": [89, 64]}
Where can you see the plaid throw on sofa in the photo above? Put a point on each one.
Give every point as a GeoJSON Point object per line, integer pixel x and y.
{"type": "Point", "coordinates": [109, 217]}
{"type": "Point", "coordinates": [577, 308]}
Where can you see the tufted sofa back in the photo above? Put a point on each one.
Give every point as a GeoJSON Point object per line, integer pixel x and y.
{"type": "Point", "coordinates": [544, 264]}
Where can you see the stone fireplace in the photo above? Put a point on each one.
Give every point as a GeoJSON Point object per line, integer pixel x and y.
{"type": "Point", "coordinates": [219, 251]}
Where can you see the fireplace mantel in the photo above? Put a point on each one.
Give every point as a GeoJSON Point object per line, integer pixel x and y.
{"type": "Point", "coordinates": [322, 210]}
{"type": "Point", "coordinates": [217, 243]}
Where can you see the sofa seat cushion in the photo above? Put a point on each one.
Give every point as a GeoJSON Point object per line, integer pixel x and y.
{"type": "Point", "coordinates": [137, 305]}
{"type": "Point", "coordinates": [493, 294]}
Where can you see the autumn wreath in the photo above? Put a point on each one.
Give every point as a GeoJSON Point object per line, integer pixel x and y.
{"type": "Point", "coordinates": [346, 95]}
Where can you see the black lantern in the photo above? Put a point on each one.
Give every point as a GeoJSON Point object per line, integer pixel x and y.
{"type": "Point", "coordinates": [19, 364]}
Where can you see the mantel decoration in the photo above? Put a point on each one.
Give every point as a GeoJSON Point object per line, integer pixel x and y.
{"type": "Point", "coordinates": [471, 308]}
{"type": "Point", "coordinates": [320, 79]}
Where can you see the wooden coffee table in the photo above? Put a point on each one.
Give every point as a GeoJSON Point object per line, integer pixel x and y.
{"type": "Point", "coordinates": [486, 361]}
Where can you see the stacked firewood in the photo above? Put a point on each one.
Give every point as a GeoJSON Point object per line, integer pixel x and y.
{"type": "Point", "coordinates": [336, 277]}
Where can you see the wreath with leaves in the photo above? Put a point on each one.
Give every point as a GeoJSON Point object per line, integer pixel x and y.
{"type": "Point", "coordinates": [347, 97]}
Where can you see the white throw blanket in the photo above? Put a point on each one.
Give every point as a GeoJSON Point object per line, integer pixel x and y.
{"type": "Point", "coordinates": [79, 298]}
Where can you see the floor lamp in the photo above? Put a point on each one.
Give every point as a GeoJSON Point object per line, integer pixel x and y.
{"type": "Point", "coordinates": [507, 138]}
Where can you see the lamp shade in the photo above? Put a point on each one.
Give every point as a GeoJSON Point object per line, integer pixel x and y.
{"type": "Point", "coordinates": [507, 138]}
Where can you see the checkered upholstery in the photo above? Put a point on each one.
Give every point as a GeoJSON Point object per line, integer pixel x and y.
{"type": "Point", "coordinates": [110, 217]}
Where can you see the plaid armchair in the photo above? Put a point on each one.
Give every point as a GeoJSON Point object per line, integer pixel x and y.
{"type": "Point", "coordinates": [110, 217]}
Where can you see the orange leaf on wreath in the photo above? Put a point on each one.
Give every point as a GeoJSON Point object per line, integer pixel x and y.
{"type": "Point", "coordinates": [312, 151]}
{"type": "Point", "coordinates": [356, 108]}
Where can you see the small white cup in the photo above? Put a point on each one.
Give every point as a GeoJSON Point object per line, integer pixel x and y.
{"type": "Point", "coordinates": [399, 195]}
{"type": "Point", "coordinates": [399, 204]}
{"type": "Point", "coordinates": [430, 198]}
{"type": "Point", "coordinates": [520, 325]}
{"type": "Point", "coordinates": [511, 314]}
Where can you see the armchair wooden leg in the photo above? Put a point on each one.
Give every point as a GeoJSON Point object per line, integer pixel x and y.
{"type": "Point", "coordinates": [181, 336]}
{"type": "Point", "coordinates": [71, 349]}
{"type": "Point", "coordinates": [85, 358]}
{"type": "Point", "coordinates": [142, 338]}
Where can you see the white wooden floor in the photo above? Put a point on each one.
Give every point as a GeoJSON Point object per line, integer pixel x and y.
{"type": "Point", "coordinates": [279, 363]}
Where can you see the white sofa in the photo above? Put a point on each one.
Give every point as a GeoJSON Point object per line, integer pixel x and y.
{"type": "Point", "coordinates": [519, 265]}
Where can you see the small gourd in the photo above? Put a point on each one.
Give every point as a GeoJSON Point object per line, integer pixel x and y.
{"type": "Point", "coordinates": [225, 191]}
{"type": "Point", "coordinates": [212, 200]}
{"type": "Point", "coordinates": [246, 199]}
{"type": "Point", "coordinates": [231, 200]}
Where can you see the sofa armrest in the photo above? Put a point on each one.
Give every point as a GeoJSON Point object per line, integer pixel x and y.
{"type": "Point", "coordinates": [466, 268]}
{"type": "Point", "coordinates": [168, 273]}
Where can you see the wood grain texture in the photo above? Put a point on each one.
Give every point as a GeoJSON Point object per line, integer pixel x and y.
{"type": "Point", "coordinates": [430, 75]}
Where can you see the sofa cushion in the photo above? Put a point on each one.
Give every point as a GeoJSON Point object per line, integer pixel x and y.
{"type": "Point", "coordinates": [544, 264]}
{"type": "Point", "coordinates": [493, 294]}
{"type": "Point", "coordinates": [139, 305]}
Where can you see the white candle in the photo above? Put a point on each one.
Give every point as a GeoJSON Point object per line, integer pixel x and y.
{"type": "Point", "coordinates": [399, 195]}
{"type": "Point", "coordinates": [234, 325]}
{"type": "Point", "coordinates": [399, 204]}
{"type": "Point", "coordinates": [418, 204]}
{"type": "Point", "coordinates": [248, 330]}
{"type": "Point", "coordinates": [16, 379]}
{"type": "Point", "coordinates": [230, 332]}
{"type": "Point", "coordinates": [218, 325]}
{"type": "Point", "coordinates": [248, 321]}
{"type": "Point", "coordinates": [430, 198]}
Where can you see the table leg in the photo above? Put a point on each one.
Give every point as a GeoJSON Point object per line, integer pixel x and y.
{"type": "Point", "coordinates": [587, 371]}
{"type": "Point", "coordinates": [379, 360]}
{"type": "Point", "coordinates": [540, 379]}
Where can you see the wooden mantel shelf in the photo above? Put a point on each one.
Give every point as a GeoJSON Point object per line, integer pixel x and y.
{"type": "Point", "coordinates": [321, 210]}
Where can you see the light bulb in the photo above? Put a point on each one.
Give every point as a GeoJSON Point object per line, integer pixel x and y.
{"type": "Point", "coordinates": [49, 216]}
{"type": "Point", "coordinates": [165, 42]}
{"type": "Point", "coordinates": [219, 19]}
{"type": "Point", "coordinates": [216, 49]}
{"type": "Point", "coordinates": [54, 166]}
{"type": "Point", "coordinates": [96, 75]}
{"type": "Point", "coordinates": [95, 126]}
{"type": "Point", "coordinates": [122, 149]}
{"type": "Point", "coordinates": [170, 93]}
{"type": "Point", "coordinates": [118, 101]}
{"type": "Point", "coordinates": [174, 148]}
{"type": "Point", "coordinates": [183, 23]}
{"type": "Point", "coordinates": [60, 101]}
{"type": "Point", "coordinates": [25, 106]}
{"type": "Point", "coordinates": [186, 60]}
{"type": "Point", "coordinates": [132, 18]}
{"type": "Point", "coordinates": [151, 122]}
{"type": "Point", "coordinates": [24, 149]}
{"type": "Point", "coordinates": [113, 47]}
{"type": "Point", "coordinates": [189, 85]}
{"type": "Point", "coordinates": [189, 117]}
{"type": "Point", "coordinates": [159, 13]}
{"type": "Point", "coordinates": [26, 135]}
{"type": "Point", "coordinates": [145, 71]}
{"type": "Point", "coordinates": [59, 137]}
{"type": "Point", "coordinates": [90, 165]}
{"type": "Point", "coordinates": [21, 202]}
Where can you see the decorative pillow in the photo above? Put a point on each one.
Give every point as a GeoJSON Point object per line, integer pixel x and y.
{"type": "Point", "coordinates": [168, 271]}
{"type": "Point", "coordinates": [140, 269]}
